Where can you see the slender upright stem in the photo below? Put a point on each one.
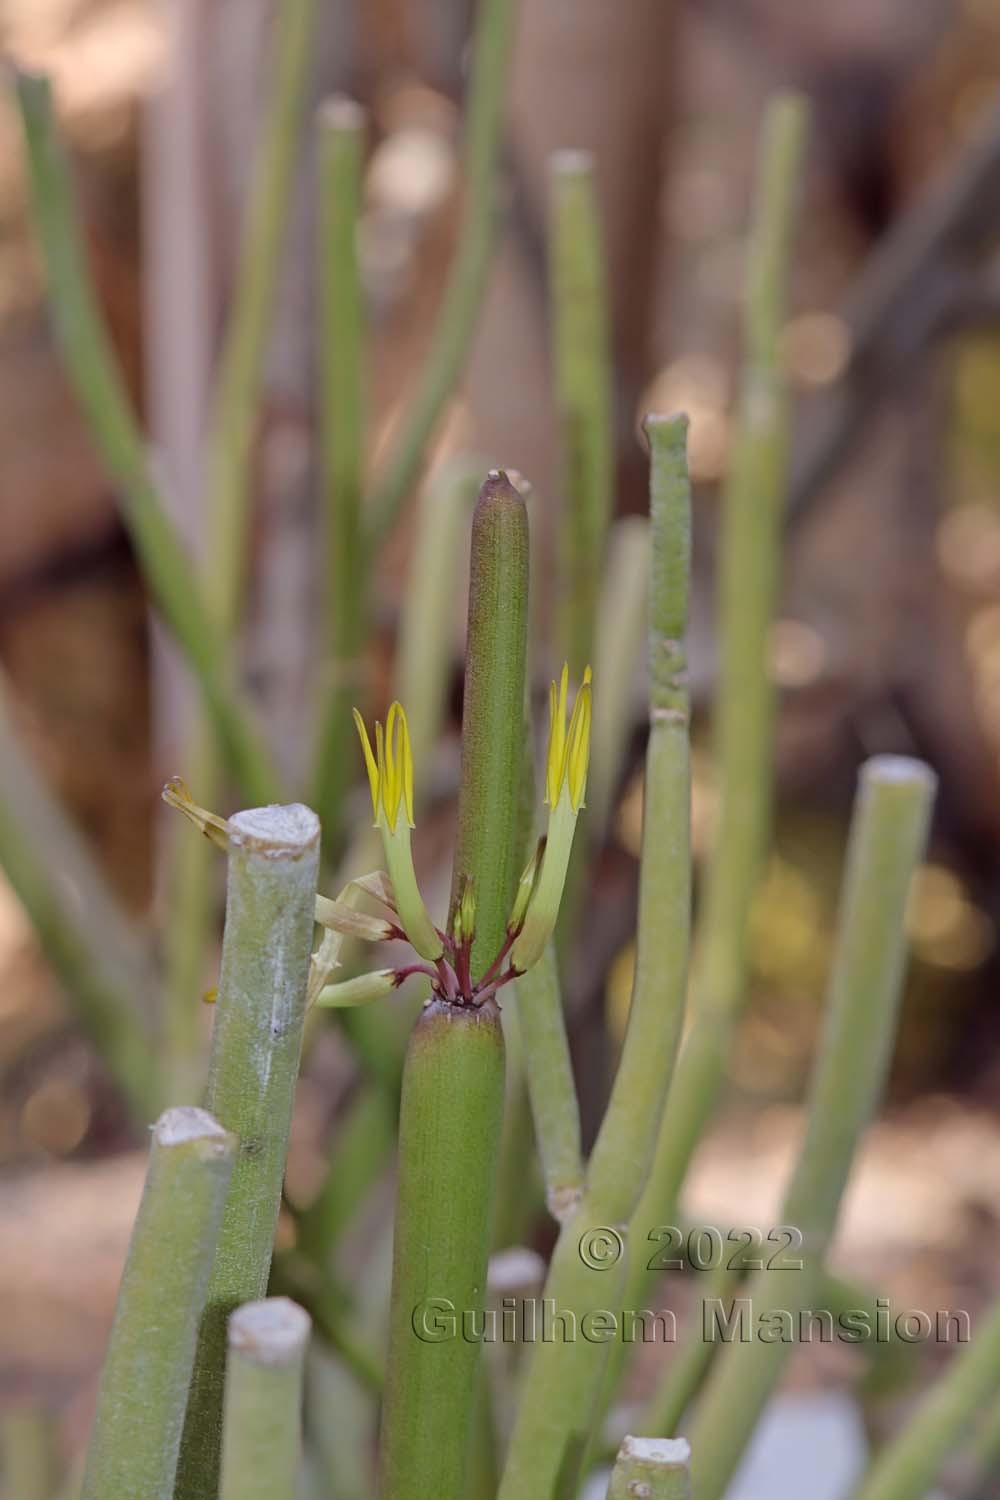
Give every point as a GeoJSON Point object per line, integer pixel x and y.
{"type": "Point", "coordinates": [230, 445]}
{"type": "Point", "coordinates": [888, 834]}
{"type": "Point", "coordinates": [909, 1464]}
{"type": "Point", "coordinates": [584, 397]}
{"type": "Point", "coordinates": [628, 1131]}
{"type": "Point", "coordinates": [551, 1089]}
{"type": "Point", "coordinates": [273, 862]}
{"type": "Point", "coordinates": [262, 1436]}
{"type": "Point", "coordinates": [488, 848]}
{"type": "Point", "coordinates": [425, 648]}
{"type": "Point", "coordinates": [621, 623]}
{"type": "Point", "coordinates": [100, 389]}
{"type": "Point", "coordinates": [451, 1112]}
{"type": "Point", "coordinates": [539, 1065]}
{"type": "Point", "coordinates": [228, 500]}
{"type": "Point", "coordinates": [83, 932]}
{"type": "Point", "coordinates": [463, 294]}
{"type": "Point", "coordinates": [341, 128]}
{"type": "Point", "coordinates": [140, 1409]}
{"type": "Point", "coordinates": [449, 1129]}
{"type": "Point", "coordinates": [656, 1468]}
{"type": "Point", "coordinates": [563, 1380]}
{"type": "Point", "coordinates": [192, 904]}
{"type": "Point", "coordinates": [744, 723]}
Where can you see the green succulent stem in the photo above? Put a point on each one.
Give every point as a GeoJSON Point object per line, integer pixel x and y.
{"type": "Point", "coordinates": [551, 1089]}
{"type": "Point", "coordinates": [451, 1113]}
{"type": "Point", "coordinates": [628, 1131]}
{"type": "Point", "coordinates": [492, 46]}
{"type": "Point", "coordinates": [84, 933]}
{"type": "Point", "coordinates": [743, 728]}
{"type": "Point", "coordinates": [584, 396]}
{"type": "Point", "coordinates": [253, 1066]}
{"type": "Point", "coordinates": [562, 1382]}
{"type": "Point", "coordinates": [341, 130]}
{"type": "Point", "coordinates": [450, 1121]}
{"type": "Point", "coordinates": [655, 1468]}
{"type": "Point", "coordinates": [262, 1437]}
{"type": "Point", "coordinates": [488, 846]}
{"type": "Point", "coordinates": [100, 389]}
{"type": "Point", "coordinates": [136, 1435]}
{"type": "Point", "coordinates": [228, 505]}
{"type": "Point", "coordinates": [425, 647]}
{"type": "Point", "coordinates": [624, 605]}
{"type": "Point", "coordinates": [229, 478]}
{"type": "Point", "coordinates": [888, 835]}
{"type": "Point", "coordinates": [912, 1460]}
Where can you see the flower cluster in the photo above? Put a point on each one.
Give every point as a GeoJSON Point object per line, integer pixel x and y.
{"type": "Point", "coordinates": [539, 892]}
{"type": "Point", "coordinates": [444, 956]}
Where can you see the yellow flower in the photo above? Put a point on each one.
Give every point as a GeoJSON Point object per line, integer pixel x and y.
{"type": "Point", "coordinates": [536, 906]}
{"type": "Point", "coordinates": [390, 766]}
{"type": "Point", "coordinates": [390, 776]}
{"type": "Point", "coordinates": [569, 748]}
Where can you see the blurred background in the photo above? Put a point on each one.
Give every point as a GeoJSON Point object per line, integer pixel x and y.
{"type": "Point", "coordinates": [889, 629]}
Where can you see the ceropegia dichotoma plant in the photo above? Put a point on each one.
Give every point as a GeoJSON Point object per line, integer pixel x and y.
{"type": "Point", "coordinates": [202, 1386]}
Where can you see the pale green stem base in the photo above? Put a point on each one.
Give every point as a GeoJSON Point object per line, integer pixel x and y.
{"type": "Point", "coordinates": [256, 1041]}
{"type": "Point", "coordinates": [653, 1468]}
{"type": "Point", "coordinates": [136, 1435]}
{"type": "Point", "coordinates": [450, 1121]}
{"type": "Point", "coordinates": [262, 1437]}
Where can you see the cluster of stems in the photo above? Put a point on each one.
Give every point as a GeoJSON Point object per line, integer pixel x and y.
{"type": "Point", "coordinates": [204, 1403]}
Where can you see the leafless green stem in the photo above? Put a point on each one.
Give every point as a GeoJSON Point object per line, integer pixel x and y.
{"type": "Point", "coordinates": [463, 294]}
{"type": "Point", "coordinates": [140, 1409]}
{"type": "Point", "coordinates": [273, 862]}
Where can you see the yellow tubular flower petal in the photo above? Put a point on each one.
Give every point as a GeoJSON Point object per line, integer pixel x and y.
{"type": "Point", "coordinates": [557, 737]}
{"type": "Point", "coordinates": [578, 745]}
{"type": "Point", "coordinates": [370, 762]}
{"type": "Point", "coordinates": [390, 767]}
{"type": "Point", "coordinates": [569, 749]}
{"type": "Point", "coordinates": [407, 753]}
{"type": "Point", "coordinates": [391, 785]}
{"type": "Point", "coordinates": [380, 757]}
